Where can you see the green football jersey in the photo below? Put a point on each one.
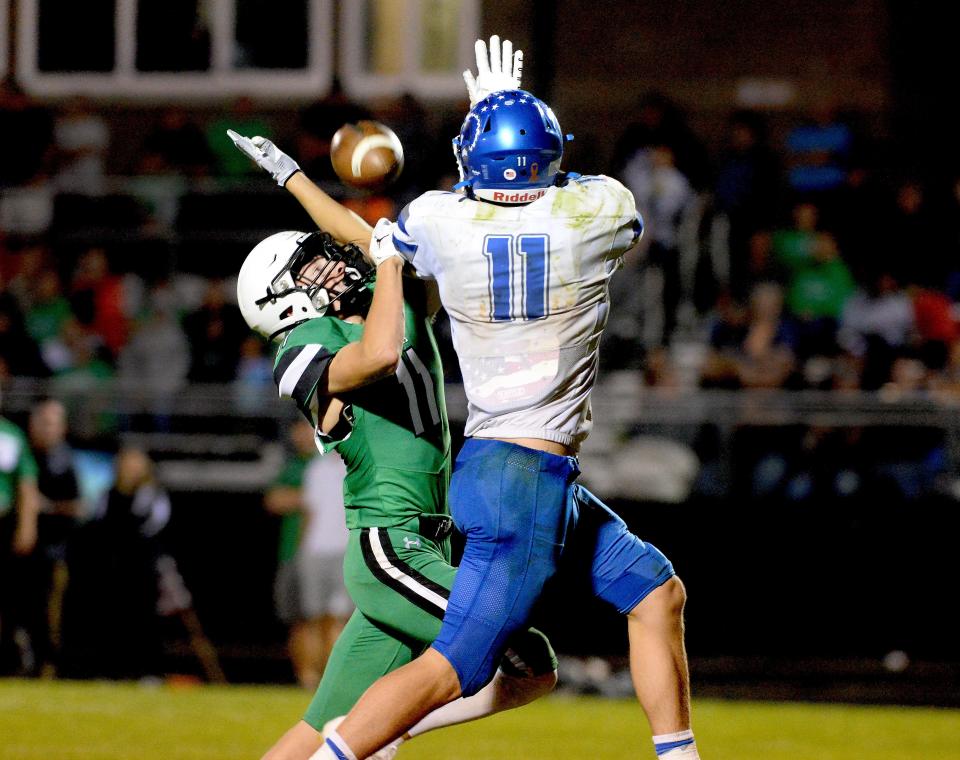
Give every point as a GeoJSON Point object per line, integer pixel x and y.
{"type": "Point", "coordinates": [393, 434]}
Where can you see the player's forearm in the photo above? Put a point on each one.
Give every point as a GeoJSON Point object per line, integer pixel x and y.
{"type": "Point", "coordinates": [377, 353]}
{"type": "Point", "coordinates": [383, 329]}
{"type": "Point", "coordinates": [333, 217]}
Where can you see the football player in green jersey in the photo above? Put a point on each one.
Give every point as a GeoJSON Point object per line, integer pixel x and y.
{"type": "Point", "coordinates": [361, 364]}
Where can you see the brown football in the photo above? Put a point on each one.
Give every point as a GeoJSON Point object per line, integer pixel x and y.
{"type": "Point", "coordinates": [367, 155]}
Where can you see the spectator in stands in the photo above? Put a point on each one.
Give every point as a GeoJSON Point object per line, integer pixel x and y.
{"type": "Point", "coordinates": [660, 122]}
{"type": "Point", "coordinates": [19, 506]}
{"type": "Point", "coordinates": [110, 626]}
{"type": "Point", "coordinates": [876, 325]}
{"type": "Point", "coordinates": [665, 199]}
{"type": "Point", "coordinates": [750, 347]}
{"type": "Point", "coordinates": [49, 310]}
{"type": "Point", "coordinates": [153, 366]}
{"type": "Point", "coordinates": [215, 332]}
{"type": "Point", "coordinates": [19, 354]}
{"type": "Point", "coordinates": [818, 281]}
{"type": "Point", "coordinates": [81, 142]}
{"type": "Point", "coordinates": [745, 192]}
{"type": "Point", "coordinates": [176, 146]}
{"type": "Point", "coordinates": [818, 153]}
{"type": "Point", "coordinates": [81, 376]}
{"type": "Point", "coordinates": [793, 246]}
{"type": "Point", "coordinates": [98, 299]}
{"type": "Point", "coordinates": [60, 509]}
{"type": "Point", "coordinates": [254, 380]}
{"type": "Point", "coordinates": [29, 257]}
{"type": "Point", "coordinates": [308, 592]}
{"type": "Point", "coordinates": [912, 250]}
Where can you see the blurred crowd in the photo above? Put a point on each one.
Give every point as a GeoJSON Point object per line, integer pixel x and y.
{"type": "Point", "coordinates": [816, 259]}
{"type": "Point", "coordinates": [796, 252]}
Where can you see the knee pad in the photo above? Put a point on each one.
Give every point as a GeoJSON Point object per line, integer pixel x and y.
{"type": "Point", "coordinates": [528, 654]}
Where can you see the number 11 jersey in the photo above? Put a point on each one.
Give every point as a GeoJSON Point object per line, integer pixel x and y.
{"type": "Point", "coordinates": [525, 287]}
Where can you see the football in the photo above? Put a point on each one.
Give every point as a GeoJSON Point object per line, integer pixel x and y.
{"type": "Point", "coordinates": [367, 155]}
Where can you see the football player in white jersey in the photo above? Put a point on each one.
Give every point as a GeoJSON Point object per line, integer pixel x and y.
{"type": "Point", "coordinates": [522, 257]}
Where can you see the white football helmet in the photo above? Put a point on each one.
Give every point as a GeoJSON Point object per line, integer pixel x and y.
{"type": "Point", "coordinates": [274, 297]}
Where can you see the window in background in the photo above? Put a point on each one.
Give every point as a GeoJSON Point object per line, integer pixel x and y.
{"type": "Point", "coordinates": [441, 21]}
{"type": "Point", "coordinates": [217, 49]}
{"type": "Point", "coordinates": [59, 45]}
{"type": "Point", "coordinates": [4, 40]}
{"type": "Point", "coordinates": [173, 35]}
{"type": "Point", "coordinates": [256, 50]}
{"type": "Point", "coordinates": [388, 47]}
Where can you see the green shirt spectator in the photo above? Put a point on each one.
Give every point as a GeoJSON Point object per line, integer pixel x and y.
{"type": "Point", "coordinates": [16, 464]}
{"type": "Point", "coordinates": [821, 283]}
{"type": "Point", "coordinates": [291, 476]}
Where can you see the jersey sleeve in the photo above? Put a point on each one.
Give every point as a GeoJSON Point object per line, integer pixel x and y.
{"type": "Point", "coordinates": [303, 358]}
{"type": "Point", "coordinates": [410, 235]}
{"type": "Point", "coordinates": [626, 217]}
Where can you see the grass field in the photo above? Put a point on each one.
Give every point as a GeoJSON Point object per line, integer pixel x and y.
{"type": "Point", "coordinates": [103, 721]}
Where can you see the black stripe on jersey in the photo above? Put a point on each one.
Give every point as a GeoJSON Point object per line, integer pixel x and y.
{"type": "Point", "coordinates": [416, 575]}
{"type": "Point", "coordinates": [284, 362]}
{"type": "Point", "coordinates": [308, 380]}
{"type": "Point", "coordinates": [427, 420]}
{"type": "Point", "coordinates": [421, 398]}
{"type": "Point", "coordinates": [386, 579]}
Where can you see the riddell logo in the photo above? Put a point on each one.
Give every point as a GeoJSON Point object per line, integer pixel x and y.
{"type": "Point", "coordinates": [524, 197]}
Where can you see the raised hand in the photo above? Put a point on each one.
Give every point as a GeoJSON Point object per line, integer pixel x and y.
{"type": "Point", "coordinates": [501, 70]}
{"type": "Point", "coordinates": [266, 155]}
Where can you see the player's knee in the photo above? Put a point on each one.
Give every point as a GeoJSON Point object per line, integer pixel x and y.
{"type": "Point", "coordinates": [666, 602]}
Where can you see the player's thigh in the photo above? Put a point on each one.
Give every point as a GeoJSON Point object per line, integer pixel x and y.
{"type": "Point", "coordinates": [364, 651]}
{"type": "Point", "coordinates": [513, 504]}
{"type": "Point", "coordinates": [623, 569]}
{"type": "Point", "coordinates": [400, 580]}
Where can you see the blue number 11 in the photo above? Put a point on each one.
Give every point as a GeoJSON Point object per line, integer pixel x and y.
{"type": "Point", "coordinates": [534, 273]}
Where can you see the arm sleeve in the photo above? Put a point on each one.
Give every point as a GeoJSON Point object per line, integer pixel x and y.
{"type": "Point", "coordinates": [628, 221]}
{"type": "Point", "coordinates": [300, 366]}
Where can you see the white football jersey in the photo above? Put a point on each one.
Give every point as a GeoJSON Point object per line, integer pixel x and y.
{"type": "Point", "coordinates": [525, 287]}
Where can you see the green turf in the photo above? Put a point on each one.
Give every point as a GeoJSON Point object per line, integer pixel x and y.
{"type": "Point", "coordinates": [100, 721]}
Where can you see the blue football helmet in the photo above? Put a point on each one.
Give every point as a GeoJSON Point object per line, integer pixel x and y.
{"type": "Point", "coordinates": [509, 148]}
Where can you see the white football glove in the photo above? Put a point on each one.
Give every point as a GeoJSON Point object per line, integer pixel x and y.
{"type": "Point", "coordinates": [381, 242]}
{"type": "Point", "coordinates": [499, 72]}
{"type": "Point", "coordinates": [267, 156]}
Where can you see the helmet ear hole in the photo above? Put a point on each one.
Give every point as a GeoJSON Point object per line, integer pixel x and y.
{"type": "Point", "coordinates": [286, 312]}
